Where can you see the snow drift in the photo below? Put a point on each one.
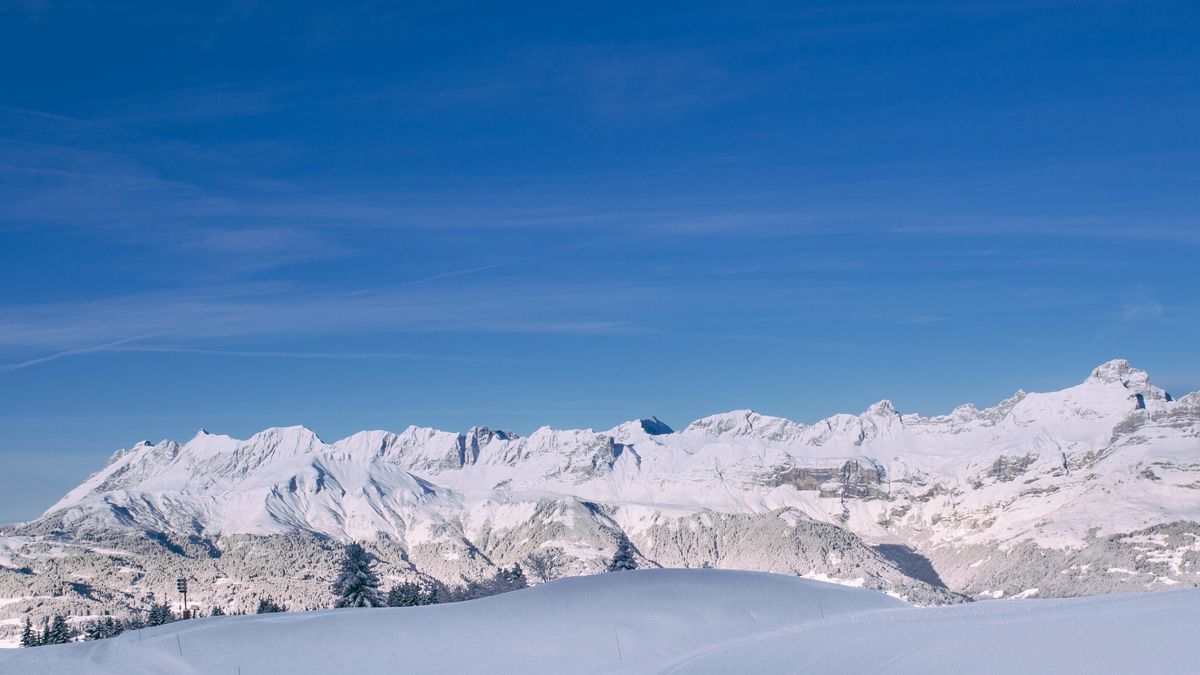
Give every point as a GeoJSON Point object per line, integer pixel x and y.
{"type": "Point", "coordinates": [678, 621]}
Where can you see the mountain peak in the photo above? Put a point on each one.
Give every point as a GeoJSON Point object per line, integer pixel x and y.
{"type": "Point", "coordinates": [655, 427]}
{"type": "Point", "coordinates": [633, 430]}
{"type": "Point", "coordinates": [747, 423]}
{"type": "Point", "coordinates": [297, 434]}
{"type": "Point", "coordinates": [1119, 371]}
{"type": "Point", "coordinates": [883, 408]}
{"type": "Point", "coordinates": [1116, 370]}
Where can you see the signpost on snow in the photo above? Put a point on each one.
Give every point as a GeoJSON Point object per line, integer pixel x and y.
{"type": "Point", "coordinates": [181, 584]}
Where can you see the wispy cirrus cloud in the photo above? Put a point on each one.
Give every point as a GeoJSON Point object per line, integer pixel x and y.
{"type": "Point", "coordinates": [268, 309]}
{"type": "Point", "coordinates": [198, 104]}
{"type": "Point", "coordinates": [9, 367]}
{"type": "Point", "coordinates": [1141, 310]}
{"type": "Point", "coordinates": [204, 321]}
{"type": "Point", "coordinates": [250, 248]}
{"type": "Point", "coordinates": [275, 311]}
{"type": "Point", "coordinates": [320, 356]}
{"type": "Point", "coordinates": [67, 172]}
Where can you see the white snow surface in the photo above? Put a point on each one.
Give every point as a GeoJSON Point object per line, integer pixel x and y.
{"type": "Point", "coordinates": [665, 621]}
{"type": "Point", "coordinates": [1110, 455]}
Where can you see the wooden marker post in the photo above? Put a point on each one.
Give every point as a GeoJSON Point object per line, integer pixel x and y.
{"type": "Point", "coordinates": [181, 584]}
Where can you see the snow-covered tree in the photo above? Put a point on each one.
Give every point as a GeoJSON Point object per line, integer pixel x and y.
{"type": "Point", "coordinates": [60, 633]}
{"type": "Point", "coordinates": [623, 559]}
{"type": "Point", "coordinates": [29, 637]}
{"type": "Point", "coordinates": [511, 579]}
{"type": "Point", "coordinates": [159, 614]}
{"type": "Point", "coordinates": [103, 628]}
{"type": "Point", "coordinates": [217, 611]}
{"type": "Point", "coordinates": [269, 606]}
{"type": "Point", "coordinates": [356, 584]}
{"type": "Point", "coordinates": [505, 579]}
{"type": "Point", "coordinates": [546, 564]}
{"type": "Point", "coordinates": [406, 594]}
{"type": "Point", "coordinates": [93, 630]}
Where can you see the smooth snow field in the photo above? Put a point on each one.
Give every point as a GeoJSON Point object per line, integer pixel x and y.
{"type": "Point", "coordinates": [669, 621]}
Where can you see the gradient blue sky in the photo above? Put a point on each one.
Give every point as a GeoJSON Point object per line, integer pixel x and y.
{"type": "Point", "coordinates": [358, 215]}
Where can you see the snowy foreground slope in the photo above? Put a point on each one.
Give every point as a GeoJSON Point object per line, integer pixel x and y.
{"type": "Point", "coordinates": [666, 621]}
{"type": "Point", "coordinates": [1091, 489]}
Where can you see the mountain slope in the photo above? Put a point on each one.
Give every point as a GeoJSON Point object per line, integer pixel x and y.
{"type": "Point", "coordinates": [669, 621]}
{"type": "Point", "coordinates": [1092, 488]}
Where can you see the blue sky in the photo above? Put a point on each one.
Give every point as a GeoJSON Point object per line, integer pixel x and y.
{"type": "Point", "coordinates": [241, 215]}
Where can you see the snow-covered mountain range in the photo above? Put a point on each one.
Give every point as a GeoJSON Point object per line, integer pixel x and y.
{"type": "Point", "coordinates": [1092, 488]}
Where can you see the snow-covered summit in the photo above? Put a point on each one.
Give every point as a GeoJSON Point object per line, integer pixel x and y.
{"type": "Point", "coordinates": [729, 461]}
{"type": "Point", "coordinates": [1054, 470]}
{"type": "Point", "coordinates": [746, 423]}
{"type": "Point", "coordinates": [655, 426]}
{"type": "Point", "coordinates": [883, 408]}
{"type": "Point", "coordinates": [1118, 371]}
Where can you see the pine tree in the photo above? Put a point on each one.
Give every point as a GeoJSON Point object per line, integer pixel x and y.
{"type": "Point", "coordinates": [623, 558]}
{"type": "Point", "coordinates": [102, 629]}
{"type": "Point", "coordinates": [29, 637]}
{"type": "Point", "coordinates": [405, 594]}
{"type": "Point", "coordinates": [512, 579]}
{"type": "Point", "coordinates": [430, 598]}
{"type": "Point", "coordinates": [60, 633]}
{"type": "Point", "coordinates": [159, 614]}
{"type": "Point", "coordinates": [269, 606]}
{"type": "Point", "coordinates": [409, 594]}
{"type": "Point", "coordinates": [45, 637]}
{"type": "Point", "coordinates": [356, 584]}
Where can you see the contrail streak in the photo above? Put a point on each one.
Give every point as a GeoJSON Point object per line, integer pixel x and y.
{"type": "Point", "coordinates": [108, 346]}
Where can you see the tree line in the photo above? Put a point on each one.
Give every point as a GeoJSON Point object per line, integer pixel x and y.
{"type": "Point", "coordinates": [56, 631]}
{"type": "Point", "coordinates": [356, 585]}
